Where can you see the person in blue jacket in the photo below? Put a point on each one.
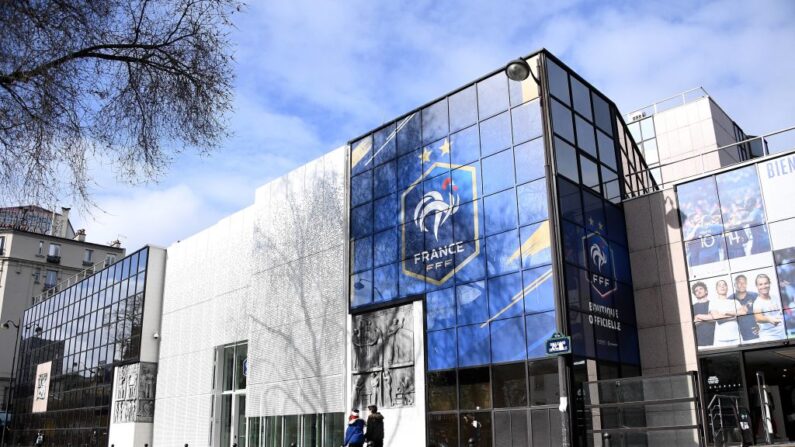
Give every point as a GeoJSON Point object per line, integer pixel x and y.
{"type": "Point", "coordinates": [354, 434]}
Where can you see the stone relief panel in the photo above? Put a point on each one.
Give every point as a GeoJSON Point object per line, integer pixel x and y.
{"type": "Point", "coordinates": [383, 358]}
{"type": "Point", "coordinates": [134, 393]}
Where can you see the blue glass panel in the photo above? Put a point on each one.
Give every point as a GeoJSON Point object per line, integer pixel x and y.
{"type": "Point", "coordinates": [436, 152]}
{"type": "Point", "coordinates": [143, 254]}
{"type": "Point", "coordinates": [533, 202]}
{"type": "Point", "coordinates": [492, 95]}
{"type": "Point", "coordinates": [570, 202]}
{"type": "Point", "coordinates": [441, 350]}
{"type": "Point", "coordinates": [589, 173]}
{"type": "Point", "coordinates": [505, 296]}
{"type": "Point", "coordinates": [362, 221]}
{"type": "Point", "coordinates": [558, 81]}
{"type": "Point", "coordinates": [385, 282]}
{"type": "Point", "coordinates": [594, 213]}
{"type": "Point", "coordinates": [387, 245]}
{"type": "Point", "coordinates": [529, 160]}
{"type": "Point", "coordinates": [607, 149]}
{"type": "Point", "coordinates": [386, 212]}
{"type": "Point", "coordinates": [585, 136]}
{"type": "Point", "coordinates": [472, 303]}
{"type": "Point", "coordinates": [361, 152]}
{"type": "Point", "coordinates": [408, 135]}
{"type": "Point", "coordinates": [495, 134]}
{"type": "Point", "coordinates": [539, 295]}
{"type": "Point", "coordinates": [502, 253]}
{"type": "Point", "coordinates": [468, 188]}
{"type": "Point", "coordinates": [410, 286]}
{"type": "Point", "coordinates": [468, 221]}
{"type": "Point", "coordinates": [562, 123]}
{"type": "Point", "coordinates": [616, 228]}
{"type": "Point", "coordinates": [362, 254]}
{"type": "Point", "coordinates": [471, 266]}
{"type": "Point", "coordinates": [536, 250]}
{"type": "Point", "coordinates": [581, 97]}
{"type": "Point", "coordinates": [463, 109]}
{"type": "Point", "coordinates": [385, 179]}
{"type": "Point", "coordinates": [412, 241]}
{"type": "Point", "coordinates": [621, 258]}
{"type": "Point", "coordinates": [384, 144]}
{"type": "Point", "coordinates": [500, 212]}
{"type": "Point", "coordinates": [508, 340]}
{"type": "Point", "coordinates": [362, 188]}
{"type": "Point", "coordinates": [573, 248]}
{"type": "Point", "coordinates": [409, 168]}
{"type": "Point", "coordinates": [465, 146]}
{"type": "Point", "coordinates": [601, 108]}
{"type": "Point", "coordinates": [498, 172]}
{"type": "Point", "coordinates": [361, 288]}
{"type": "Point", "coordinates": [539, 328]}
{"type": "Point", "coordinates": [434, 122]}
{"type": "Point", "coordinates": [473, 345]}
{"type": "Point", "coordinates": [527, 123]}
{"type": "Point", "coordinates": [566, 160]}
{"type": "Point", "coordinates": [440, 309]}
{"type": "Point", "coordinates": [740, 198]}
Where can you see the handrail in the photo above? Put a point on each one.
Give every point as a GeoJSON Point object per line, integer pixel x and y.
{"type": "Point", "coordinates": [663, 183]}
{"type": "Point", "coordinates": [682, 95]}
{"type": "Point", "coordinates": [72, 280]}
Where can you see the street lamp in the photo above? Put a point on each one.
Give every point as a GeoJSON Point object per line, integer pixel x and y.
{"type": "Point", "coordinates": [7, 325]}
{"type": "Point", "coordinates": [519, 70]}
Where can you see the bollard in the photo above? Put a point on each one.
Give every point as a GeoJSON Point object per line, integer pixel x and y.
{"type": "Point", "coordinates": [606, 440]}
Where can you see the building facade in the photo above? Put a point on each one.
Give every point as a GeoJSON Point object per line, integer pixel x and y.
{"type": "Point", "coordinates": [38, 248]}
{"type": "Point", "coordinates": [88, 352]}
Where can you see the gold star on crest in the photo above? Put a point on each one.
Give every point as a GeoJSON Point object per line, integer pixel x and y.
{"type": "Point", "coordinates": [425, 156]}
{"type": "Point", "coordinates": [445, 147]}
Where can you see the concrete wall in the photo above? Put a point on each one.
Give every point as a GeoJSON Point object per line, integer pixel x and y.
{"type": "Point", "coordinates": [271, 274]}
{"type": "Point", "coordinates": [665, 332]}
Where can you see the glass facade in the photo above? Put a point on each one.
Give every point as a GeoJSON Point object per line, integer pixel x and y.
{"type": "Point", "coordinates": [317, 430]}
{"type": "Point", "coordinates": [87, 329]}
{"type": "Point", "coordinates": [738, 229]}
{"type": "Point", "coordinates": [453, 205]}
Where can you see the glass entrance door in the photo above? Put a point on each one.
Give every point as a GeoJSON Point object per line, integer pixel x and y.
{"type": "Point", "coordinates": [771, 392]}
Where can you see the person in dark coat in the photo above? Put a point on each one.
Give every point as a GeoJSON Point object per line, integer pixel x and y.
{"type": "Point", "coordinates": [375, 427]}
{"type": "Point", "coordinates": [354, 434]}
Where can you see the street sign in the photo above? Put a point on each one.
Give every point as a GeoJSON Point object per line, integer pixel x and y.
{"type": "Point", "coordinates": [558, 344]}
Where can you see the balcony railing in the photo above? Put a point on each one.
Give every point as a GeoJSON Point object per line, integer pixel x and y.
{"type": "Point", "coordinates": [51, 289]}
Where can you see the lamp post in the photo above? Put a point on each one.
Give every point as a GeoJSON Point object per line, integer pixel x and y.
{"type": "Point", "coordinates": [7, 325]}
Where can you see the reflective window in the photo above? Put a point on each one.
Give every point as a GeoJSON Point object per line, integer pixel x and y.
{"type": "Point", "coordinates": [540, 328]}
{"type": "Point", "coordinates": [532, 202]}
{"type": "Point", "coordinates": [442, 353]}
{"type": "Point", "coordinates": [562, 121]}
{"type": "Point", "coordinates": [474, 388]}
{"type": "Point", "coordinates": [529, 161]}
{"type": "Point", "coordinates": [495, 134]}
{"type": "Point", "coordinates": [558, 81]}
{"type": "Point", "coordinates": [582, 98]}
{"type": "Point", "coordinates": [527, 122]}
{"type": "Point", "coordinates": [408, 134]}
{"type": "Point", "coordinates": [589, 173]}
{"type": "Point", "coordinates": [473, 345]}
{"type": "Point", "coordinates": [472, 303]}
{"type": "Point", "coordinates": [509, 385]}
{"type": "Point", "coordinates": [434, 122]}
{"type": "Point", "coordinates": [607, 150]}
{"type": "Point", "coordinates": [465, 146]}
{"type": "Point", "coordinates": [385, 144]}
{"type": "Point", "coordinates": [566, 160]}
{"type": "Point", "coordinates": [463, 109]}
{"type": "Point", "coordinates": [500, 211]}
{"type": "Point", "coordinates": [585, 136]}
{"type": "Point", "coordinates": [443, 429]}
{"type": "Point", "coordinates": [602, 114]}
{"type": "Point", "coordinates": [384, 179]}
{"type": "Point", "coordinates": [740, 198]}
{"type": "Point", "coordinates": [498, 172]}
{"type": "Point", "coordinates": [505, 296]}
{"type": "Point", "coordinates": [493, 95]}
{"type": "Point", "coordinates": [502, 253]}
{"type": "Point", "coordinates": [508, 340]}
{"type": "Point", "coordinates": [441, 309]}
{"type": "Point", "coordinates": [543, 377]}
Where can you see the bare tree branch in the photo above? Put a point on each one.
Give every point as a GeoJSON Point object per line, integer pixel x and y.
{"type": "Point", "coordinates": [134, 80]}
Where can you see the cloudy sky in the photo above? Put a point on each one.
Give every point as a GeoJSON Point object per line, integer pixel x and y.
{"type": "Point", "coordinates": [313, 74]}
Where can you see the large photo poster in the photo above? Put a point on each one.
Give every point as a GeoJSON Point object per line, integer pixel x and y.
{"type": "Point", "coordinates": [41, 391]}
{"type": "Point", "coordinates": [739, 241]}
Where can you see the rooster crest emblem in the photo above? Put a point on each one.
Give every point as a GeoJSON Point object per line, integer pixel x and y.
{"type": "Point", "coordinates": [598, 257]}
{"type": "Point", "coordinates": [434, 205]}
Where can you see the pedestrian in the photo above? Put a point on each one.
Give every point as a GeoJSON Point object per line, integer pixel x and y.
{"type": "Point", "coordinates": [39, 439]}
{"type": "Point", "coordinates": [375, 427]}
{"type": "Point", "coordinates": [354, 434]}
